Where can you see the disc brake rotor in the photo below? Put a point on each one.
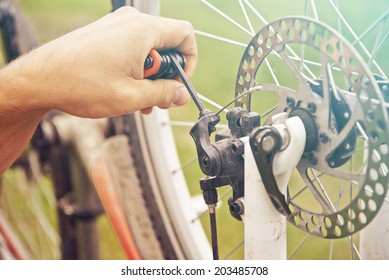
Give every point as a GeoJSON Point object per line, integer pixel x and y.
{"type": "Point", "coordinates": [342, 108]}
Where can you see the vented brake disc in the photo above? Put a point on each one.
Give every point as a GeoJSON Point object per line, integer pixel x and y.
{"type": "Point", "coordinates": [342, 177]}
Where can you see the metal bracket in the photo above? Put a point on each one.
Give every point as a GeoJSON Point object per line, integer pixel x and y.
{"type": "Point", "coordinates": [265, 142]}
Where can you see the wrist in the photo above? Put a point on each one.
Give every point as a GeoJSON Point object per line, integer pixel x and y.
{"type": "Point", "coordinates": [20, 90]}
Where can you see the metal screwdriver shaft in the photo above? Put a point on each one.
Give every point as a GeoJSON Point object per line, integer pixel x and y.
{"type": "Point", "coordinates": [187, 84]}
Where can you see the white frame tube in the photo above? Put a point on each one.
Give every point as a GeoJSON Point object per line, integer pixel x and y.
{"type": "Point", "coordinates": [265, 227]}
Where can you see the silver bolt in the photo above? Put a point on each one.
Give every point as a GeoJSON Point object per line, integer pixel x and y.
{"type": "Point", "coordinates": [268, 143]}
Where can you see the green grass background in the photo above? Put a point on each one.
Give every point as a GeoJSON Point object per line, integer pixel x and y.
{"type": "Point", "coordinates": [215, 77]}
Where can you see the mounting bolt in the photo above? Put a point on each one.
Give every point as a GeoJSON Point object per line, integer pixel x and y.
{"type": "Point", "coordinates": [323, 137]}
{"type": "Point", "coordinates": [312, 107]}
{"type": "Point", "coordinates": [290, 101]}
{"type": "Point", "coordinates": [236, 208]}
{"type": "Point", "coordinates": [268, 143]}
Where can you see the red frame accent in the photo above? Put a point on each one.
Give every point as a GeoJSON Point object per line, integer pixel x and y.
{"type": "Point", "coordinates": [104, 186]}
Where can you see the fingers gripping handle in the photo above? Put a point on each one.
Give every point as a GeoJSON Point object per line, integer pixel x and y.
{"type": "Point", "coordinates": [168, 65]}
{"type": "Point", "coordinates": [159, 65]}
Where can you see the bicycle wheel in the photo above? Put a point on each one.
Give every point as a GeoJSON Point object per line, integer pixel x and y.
{"type": "Point", "coordinates": [355, 165]}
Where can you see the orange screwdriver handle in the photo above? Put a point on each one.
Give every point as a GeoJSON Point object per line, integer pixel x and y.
{"type": "Point", "coordinates": [159, 65]}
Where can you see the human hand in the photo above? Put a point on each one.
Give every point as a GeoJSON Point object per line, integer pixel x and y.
{"type": "Point", "coordinates": [97, 71]}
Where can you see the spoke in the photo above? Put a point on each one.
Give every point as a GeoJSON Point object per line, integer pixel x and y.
{"type": "Point", "coordinates": [299, 246]}
{"type": "Point", "coordinates": [227, 17]}
{"type": "Point", "coordinates": [233, 250]}
{"type": "Point", "coordinates": [378, 43]}
{"type": "Point", "coordinates": [211, 102]}
{"type": "Point", "coordinates": [282, 92]}
{"type": "Point", "coordinates": [219, 38]}
{"type": "Point", "coordinates": [352, 153]}
{"type": "Point", "coordinates": [305, 187]}
{"type": "Point", "coordinates": [338, 21]}
{"type": "Point", "coordinates": [303, 89]}
{"type": "Point", "coordinates": [331, 249]}
{"type": "Point", "coordinates": [341, 193]}
{"type": "Point", "coordinates": [378, 49]}
{"type": "Point", "coordinates": [314, 10]}
{"type": "Point", "coordinates": [251, 90]}
{"type": "Point", "coordinates": [322, 189]}
{"type": "Point", "coordinates": [295, 56]}
{"type": "Point", "coordinates": [377, 46]}
{"type": "Point", "coordinates": [382, 18]}
{"type": "Point", "coordinates": [354, 248]}
{"type": "Point", "coordinates": [310, 62]}
{"type": "Point", "coordinates": [350, 186]}
{"type": "Point", "coordinates": [323, 200]}
{"type": "Point", "coordinates": [352, 177]}
{"type": "Point", "coordinates": [256, 12]}
{"type": "Point", "coordinates": [188, 124]}
{"type": "Point", "coordinates": [246, 17]}
{"type": "Point", "coordinates": [356, 37]}
{"type": "Point", "coordinates": [271, 110]}
{"type": "Point", "coordinates": [272, 72]}
{"type": "Point", "coordinates": [185, 165]}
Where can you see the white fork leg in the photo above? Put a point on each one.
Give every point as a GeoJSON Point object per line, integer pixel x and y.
{"type": "Point", "coordinates": [374, 239]}
{"type": "Point", "coordinates": [265, 227]}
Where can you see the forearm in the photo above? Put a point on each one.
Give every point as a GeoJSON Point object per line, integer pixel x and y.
{"type": "Point", "coordinates": [20, 111]}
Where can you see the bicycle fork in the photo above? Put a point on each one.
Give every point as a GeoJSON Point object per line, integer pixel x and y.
{"type": "Point", "coordinates": [257, 162]}
{"type": "Point", "coordinates": [264, 226]}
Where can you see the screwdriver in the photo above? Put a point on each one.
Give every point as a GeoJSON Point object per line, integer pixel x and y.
{"type": "Point", "coordinates": [168, 65]}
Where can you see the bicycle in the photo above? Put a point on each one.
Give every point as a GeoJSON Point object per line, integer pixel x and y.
{"type": "Point", "coordinates": [299, 33]}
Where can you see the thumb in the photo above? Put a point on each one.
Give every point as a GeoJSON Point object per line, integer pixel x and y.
{"type": "Point", "coordinates": [164, 93]}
